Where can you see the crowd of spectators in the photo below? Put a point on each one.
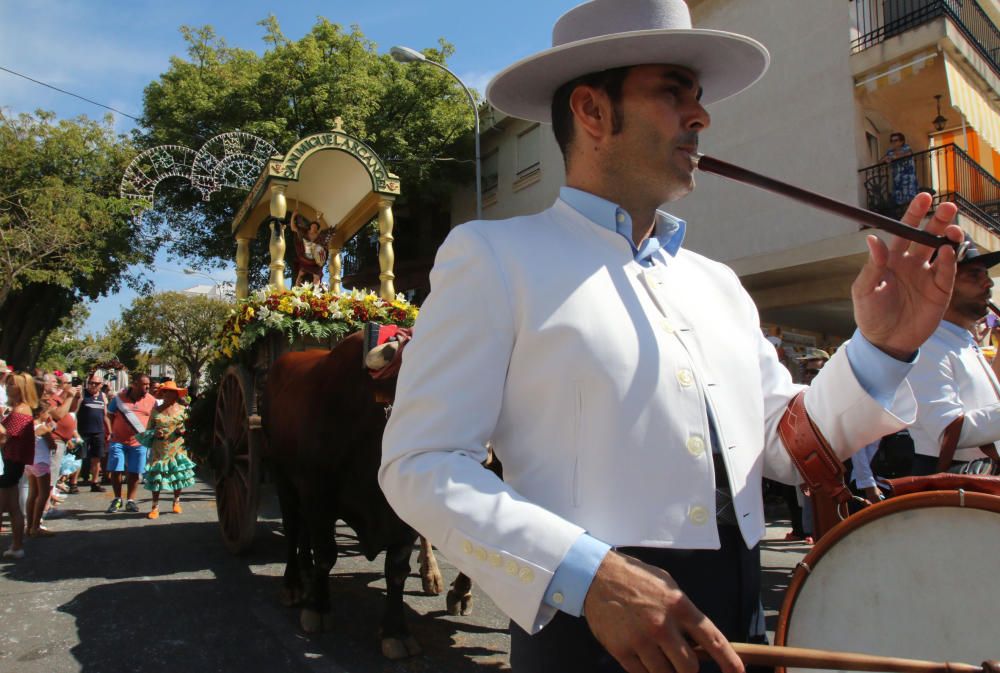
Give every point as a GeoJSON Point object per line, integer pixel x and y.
{"type": "Point", "coordinates": [60, 432]}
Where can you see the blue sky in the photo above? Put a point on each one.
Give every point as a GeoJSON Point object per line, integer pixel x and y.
{"type": "Point", "coordinates": [108, 51]}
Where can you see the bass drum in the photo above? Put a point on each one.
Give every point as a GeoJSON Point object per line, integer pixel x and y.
{"type": "Point", "coordinates": [914, 576]}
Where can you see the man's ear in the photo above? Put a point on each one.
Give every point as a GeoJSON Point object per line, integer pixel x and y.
{"type": "Point", "coordinates": [592, 112]}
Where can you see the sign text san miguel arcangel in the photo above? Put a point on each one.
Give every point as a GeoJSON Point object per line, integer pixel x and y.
{"type": "Point", "coordinates": [383, 180]}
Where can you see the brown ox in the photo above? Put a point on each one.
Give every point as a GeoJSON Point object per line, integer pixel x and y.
{"type": "Point", "coordinates": [323, 418]}
{"type": "Point", "coordinates": [324, 427]}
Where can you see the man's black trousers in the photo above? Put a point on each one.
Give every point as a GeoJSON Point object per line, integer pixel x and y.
{"type": "Point", "coordinates": [724, 584]}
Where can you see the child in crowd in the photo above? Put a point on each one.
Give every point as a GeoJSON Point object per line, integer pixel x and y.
{"type": "Point", "coordinates": [40, 474]}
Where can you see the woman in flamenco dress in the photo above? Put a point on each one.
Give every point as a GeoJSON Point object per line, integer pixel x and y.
{"type": "Point", "coordinates": [170, 469]}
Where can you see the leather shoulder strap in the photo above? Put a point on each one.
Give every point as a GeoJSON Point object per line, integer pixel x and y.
{"type": "Point", "coordinates": [819, 466]}
{"type": "Point", "coordinates": [949, 444]}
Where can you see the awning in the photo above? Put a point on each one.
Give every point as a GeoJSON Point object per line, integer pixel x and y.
{"type": "Point", "coordinates": [974, 107]}
{"type": "Point", "coordinates": [896, 72]}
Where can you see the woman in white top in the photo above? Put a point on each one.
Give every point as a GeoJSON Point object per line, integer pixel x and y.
{"type": "Point", "coordinates": [40, 475]}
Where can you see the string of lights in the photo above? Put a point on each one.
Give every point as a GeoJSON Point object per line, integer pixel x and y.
{"type": "Point", "coordinates": [70, 93]}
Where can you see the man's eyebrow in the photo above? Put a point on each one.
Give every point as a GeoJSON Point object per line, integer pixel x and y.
{"type": "Point", "coordinates": [683, 80]}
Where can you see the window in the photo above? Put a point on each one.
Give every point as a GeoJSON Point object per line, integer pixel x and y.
{"type": "Point", "coordinates": [873, 154]}
{"type": "Point", "coordinates": [529, 152]}
{"type": "Point", "coordinates": [490, 169]}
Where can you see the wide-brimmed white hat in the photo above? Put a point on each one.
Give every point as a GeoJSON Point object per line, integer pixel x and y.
{"type": "Point", "coordinates": [604, 34]}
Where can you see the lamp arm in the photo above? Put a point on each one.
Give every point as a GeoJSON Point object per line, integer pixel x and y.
{"type": "Point", "coordinates": [475, 118]}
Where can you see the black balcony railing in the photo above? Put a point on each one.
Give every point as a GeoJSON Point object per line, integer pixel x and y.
{"type": "Point", "coordinates": [947, 173]}
{"type": "Point", "coordinates": [360, 253]}
{"type": "Point", "coordinates": [878, 20]}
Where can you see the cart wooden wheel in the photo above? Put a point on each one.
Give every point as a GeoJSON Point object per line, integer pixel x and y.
{"type": "Point", "coordinates": [236, 448]}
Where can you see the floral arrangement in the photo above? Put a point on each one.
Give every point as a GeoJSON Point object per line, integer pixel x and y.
{"type": "Point", "coordinates": [307, 310]}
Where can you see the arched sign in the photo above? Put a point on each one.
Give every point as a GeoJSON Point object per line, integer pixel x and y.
{"type": "Point", "coordinates": [383, 182]}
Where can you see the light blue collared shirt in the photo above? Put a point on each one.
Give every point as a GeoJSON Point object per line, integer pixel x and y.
{"type": "Point", "coordinates": [879, 374]}
{"type": "Point", "coordinates": [960, 333]}
{"type": "Point", "coordinates": [668, 231]}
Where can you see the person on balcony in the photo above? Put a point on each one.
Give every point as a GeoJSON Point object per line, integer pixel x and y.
{"type": "Point", "coordinates": [904, 171]}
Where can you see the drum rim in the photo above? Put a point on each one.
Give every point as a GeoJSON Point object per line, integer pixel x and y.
{"type": "Point", "coordinates": [954, 498]}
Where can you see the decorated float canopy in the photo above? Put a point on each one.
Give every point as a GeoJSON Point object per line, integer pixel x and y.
{"type": "Point", "coordinates": [331, 178]}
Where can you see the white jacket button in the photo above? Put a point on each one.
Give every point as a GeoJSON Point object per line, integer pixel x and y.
{"type": "Point", "coordinates": [698, 515]}
{"type": "Point", "coordinates": [558, 598]}
{"type": "Point", "coordinates": [481, 553]}
{"type": "Point", "coordinates": [511, 567]}
{"type": "Point", "coordinates": [527, 575]}
{"type": "Point", "coordinates": [495, 560]}
{"type": "Point", "coordinates": [685, 377]}
{"type": "Point", "coordinates": [696, 446]}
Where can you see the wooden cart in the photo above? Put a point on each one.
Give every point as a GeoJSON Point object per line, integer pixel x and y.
{"type": "Point", "coordinates": [338, 181]}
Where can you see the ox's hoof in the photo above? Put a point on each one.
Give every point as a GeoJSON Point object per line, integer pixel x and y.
{"type": "Point", "coordinates": [400, 648]}
{"type": "Point", "coordinates": [433, 584]}
{"type": "Point", "coordinates": [315, 622]}
{"type": "Point", "coordinates": [290, 597]}
{"type": "Point", "coordinates": [459, 604]}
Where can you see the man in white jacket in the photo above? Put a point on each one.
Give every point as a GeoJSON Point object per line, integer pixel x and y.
{"type": "Point", "coordinates": [957, 392]}
{"type": "Point", "coordinates": [585, 343]}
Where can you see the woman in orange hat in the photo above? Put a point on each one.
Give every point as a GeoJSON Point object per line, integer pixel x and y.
{"type": "Point", "coordinates": [170, 468]}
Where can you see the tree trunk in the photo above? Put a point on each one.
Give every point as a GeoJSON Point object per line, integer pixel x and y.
{"type": "Point", "coordinates": [28, 316]}
{"type": "Point", "coordinates": [194, 375]}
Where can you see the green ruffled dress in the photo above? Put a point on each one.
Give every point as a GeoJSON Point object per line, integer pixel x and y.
{"type": "Point", "coordinates": [169, 469]}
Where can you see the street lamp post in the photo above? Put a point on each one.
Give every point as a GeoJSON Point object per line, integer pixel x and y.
{"type": "Point", "coordinates": [407, 55]}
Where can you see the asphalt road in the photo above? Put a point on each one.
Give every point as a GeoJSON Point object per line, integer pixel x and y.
{"type": "Point", "coordinates": [116, 593]}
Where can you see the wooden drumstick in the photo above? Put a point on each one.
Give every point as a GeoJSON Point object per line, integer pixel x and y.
{"type": "Point", "coordinates": [802, 657]}
{"type": "Point", "coordinates": [824, 203]}
{"type": "Point", "coordinates": [993, 307]}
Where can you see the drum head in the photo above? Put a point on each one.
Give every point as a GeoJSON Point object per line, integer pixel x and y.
{"type": "Point", "coordinates": [912, 577]}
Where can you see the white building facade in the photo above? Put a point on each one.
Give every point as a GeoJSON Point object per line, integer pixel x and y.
{"type": "Point", "coordinates": [844, 75]}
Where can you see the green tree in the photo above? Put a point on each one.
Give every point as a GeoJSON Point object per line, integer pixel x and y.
{"type": "Point", "coordinates": [410, 115]}
{"type": "Point", "coordinates": [182, 326]}
{"type": "Point", "coordinates": [65, 235]}
{"type": "Point", "coordinates": [64, 344]}
{"type": "Point", "coordinates": [68, 348]}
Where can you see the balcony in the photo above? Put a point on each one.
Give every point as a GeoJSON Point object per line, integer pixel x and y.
{"type": "Point", "coordinates": [948, 174]}
{"type": "Point", "coordinates": [879, 20]}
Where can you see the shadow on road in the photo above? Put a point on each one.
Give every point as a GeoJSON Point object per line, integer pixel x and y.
{"type": "Point", "coordinates": [129, 552]}
{"type": "Point", "coordinates": [167, 596]}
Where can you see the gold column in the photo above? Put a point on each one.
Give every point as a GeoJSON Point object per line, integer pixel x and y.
{"type": "Point", "coordinates": [335, 266]}
{"type": "Point", "coordinates": [386, 255]}
{"type": "Point", "coordinates": [242, 268]}
{"type": "Point", "coordinates": [277, 249]}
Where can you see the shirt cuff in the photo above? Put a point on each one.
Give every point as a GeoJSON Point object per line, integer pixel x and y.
{"type": "Point", "coordinates": [571, 580]}
{"type": "Point", "coordinates": [879, 373]}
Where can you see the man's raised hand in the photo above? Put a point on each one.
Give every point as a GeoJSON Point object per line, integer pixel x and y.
{"type": "Point", "coordinates": [900, 295]}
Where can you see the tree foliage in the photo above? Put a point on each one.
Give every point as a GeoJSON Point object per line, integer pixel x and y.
{"type": "Point", "coordinates": [68, 348]}
{"type": "Point", "coordinates": [182, 326]}
{"type": "Point", "coordinates": [409, 114]}
{"type": "Point", "coordinates": [64, 233]}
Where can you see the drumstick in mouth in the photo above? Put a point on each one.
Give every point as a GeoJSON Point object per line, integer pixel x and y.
{"type": "Point", "coordinates": [802, 657]}
{"type": "Point", "coordinates": [993, 307]}
{"type": "Point", "coordinates": [820, 202]}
